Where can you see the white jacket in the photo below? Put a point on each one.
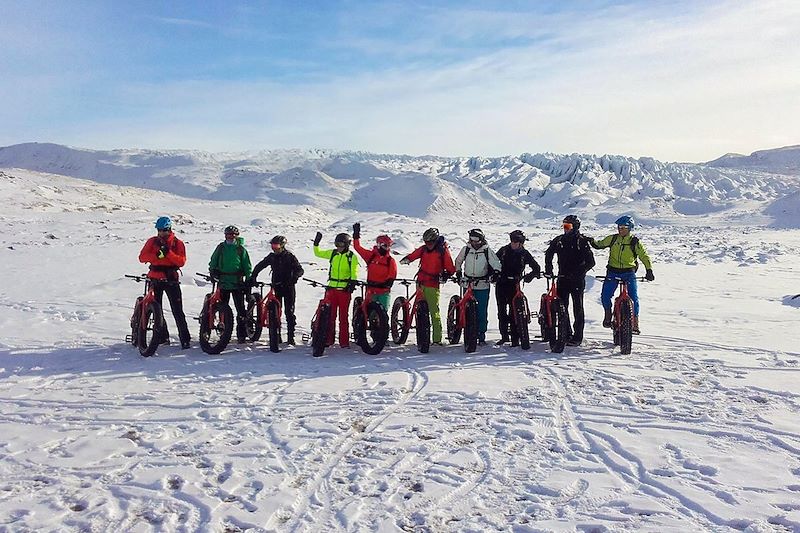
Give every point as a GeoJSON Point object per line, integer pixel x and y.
{"type": "Point", "coordinates": [477, 264]}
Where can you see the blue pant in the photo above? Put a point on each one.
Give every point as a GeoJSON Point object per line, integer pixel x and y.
{"type": "Point", "coordinates": [483, 312]}
{"type": "Point", "coordinates": [609, 286]}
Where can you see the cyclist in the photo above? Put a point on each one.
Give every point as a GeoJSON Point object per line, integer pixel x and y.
{"type": "Point", "coordinates": [230, 264]}
{"type": "Point", "coordinates": [622, 264]}
{"type": "Point", "coordinates": [575, 259]}
{"type": "Point", "coordinates": [286, 270]}
{"type": "Point", "coordinates": [478, 261]}
{"type": "Point", "coordinates": [381, 266]}
{"type": "Point", "coordinates": [342, 276]}
{"type": "Point", "coordinates": [435, 265]}
{"type": "Point", "coordinates": [167, 254]}
{"type": "Point", "coordinates": [513, 258]}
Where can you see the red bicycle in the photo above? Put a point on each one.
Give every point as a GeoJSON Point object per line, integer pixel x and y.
{"type": "Point", "coordinates": [370, 321]}
{"type": "Point", "coordinates": [553, 317]}
{"type": "Point", "coordinates": [264, 312]}
{"type": "Point", "coordinates": [521, 315]}
{"type": "Point", "coordinates": [321, 322]}
{"type": "Point", "coordinates": [147, 320]}
{"type": "Point", "coordinates": [408, 310]}
{"type": "Point", "coordinates": [462, 315]}
{"type": "Point", "coordinates": [216, 319]}
{"type": "Point", "coordinates": [622, 317]}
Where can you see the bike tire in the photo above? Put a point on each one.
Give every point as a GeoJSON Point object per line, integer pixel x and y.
{"type": "Point", "coordinates": [253, 317]}
{"type": "Point", "coordinates": [625, 327]}
{"type": "Point", "coordinates": [135, 318]}
{"type": "Point", "coordinates": [545, 331]}
{"type": "Point", "coordinates": [376, 330]}
{"type": "Point", "coordinates": [357, 325]}
{"type": "Point", "coordinates": [423, 327]}
{"type": "Point", "coordinates": [399, 321]}
{"type": "Point", "coordinates": [215, 338]}
{"type": "Point", "coordinates": [561, 327]}
{"type": "Point", "coordinates": [471, 326]}
{"type": "Point", "coordinates": [319, 330]}
{"type": "Point", "coordinates": [522, 317]}
{"type": "Point", "coordinates": [274, 326]}
{"type": "Point", "coordinates": [154, 323]}
{"type": "Point", "coordinates": [453, 330]}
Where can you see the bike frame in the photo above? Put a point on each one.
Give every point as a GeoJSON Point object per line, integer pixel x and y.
{"type": "Point", "coordinates": [325, 299]}
{"type": "Point", "coordinates": [621, 297]}
{"type": "Point", "coordinates": [216, 297]}
{"type": "Point", "coordinates": [270, 297]}
{"type": "Point", "coordinates": [517, 295]}
{"type": "Point", "coordinates": [550, 296]}
{"type": "Point", "coordinates": [467, 294]}
{"type": "Point", "coordinates": [411, 309]}
{"type": "Point", "coordinates": [367, 292]}
{"type": "Point", "coordinates": [149, 297]}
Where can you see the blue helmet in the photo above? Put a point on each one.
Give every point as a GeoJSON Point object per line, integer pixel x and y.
{"type": "Point", "coordinates": [163, 223]}
{"type": "Point", "coordinates": [625, 220]}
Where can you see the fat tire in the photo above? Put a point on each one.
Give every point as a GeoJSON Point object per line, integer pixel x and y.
{"type": "Point", "coordinates": [253, 317]}
{"type": "Point", "coordinates": [154, 322]}
{"type": "Point", "coordinates": [135, 318]}
{"type": "Point", "coordinates": [357, 325]}
{"type": "Point", "coordinates": [522, 317]}
{"type": "Point", "coordinates": [319, 330]}
{"type": "Point", "coordinates": [544, 330]}
{"type": "Point", "coordinates": [399, 320]}
{"type": "Point", "coordinates": [376, 331]}
{"type": "Point", "coordinates": [223, 330]}
{"type": "Point", "coordinates": [274, 326]}
{"type": "Point", "coordinates": [561, 327]}
{"type": "Point", "coordinates": [471, 326]}
{"type": "Point", "coordinates": [423, 327]}
{"type": "Point", "coordinates": [625, 327]}
{"type": "Point", "coordinates": [453, 331]}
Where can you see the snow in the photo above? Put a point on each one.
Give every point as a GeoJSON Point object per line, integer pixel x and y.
{"type": "Point", "coordinates": [696, 430]}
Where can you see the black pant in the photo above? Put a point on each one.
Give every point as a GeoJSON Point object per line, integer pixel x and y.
{"type": "Point", "coordinates": [286, 294]}
{"type": "Point", "coordinates": [504, 293]}
{"type": "Point", "coordinates": [241, 311]}
{"type": "Point", "coordinates": [573, 287]}
{"type": "Point", "coordinates": [176, 304]}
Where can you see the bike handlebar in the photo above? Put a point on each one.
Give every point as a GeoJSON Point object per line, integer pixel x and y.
{"type": "Point", "coordinates": [315, 283]}
{"type": "Point", "coordinates": [603, 278]}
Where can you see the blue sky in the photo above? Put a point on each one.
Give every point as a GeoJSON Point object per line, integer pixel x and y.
{"type": "Point", "coordinates": [677, 80]}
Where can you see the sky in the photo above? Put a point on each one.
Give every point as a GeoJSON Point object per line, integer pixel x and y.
{"type": "Point", "coordinates": [676, 80]}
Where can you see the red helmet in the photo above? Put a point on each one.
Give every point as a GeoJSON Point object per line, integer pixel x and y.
{"type": "Point", "coordinates": [384, 239]}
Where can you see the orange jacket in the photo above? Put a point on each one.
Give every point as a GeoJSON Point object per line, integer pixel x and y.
{"type": "Point", "coordinates": [380, 268]}
{"type": "Point", "coordinates": [432, 263]}
{"type": "Point", "coordinates": [167, 266]}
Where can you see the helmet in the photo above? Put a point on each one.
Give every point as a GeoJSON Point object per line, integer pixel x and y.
{"type": "Point", "coordinates": [278, 239]}
{"type": "Point", "coordinates": [232, 230]}
{"type": "Point", "coordinates": [431, 234]}
{"type": "Point", "coordinates": [164, 223]}
{"type": "Point", "coordinates": [476, 233]}
{"type": "Point", "coordinates": [343, 238]}
{"type": "Point", "coordinates": [574, 220]}
{"type": "Point", "coordinates": [384, 240]}
{"type": "Point", "coordinates": [625, 220]}
{"type": "Point", "coordinates": [517, 236]}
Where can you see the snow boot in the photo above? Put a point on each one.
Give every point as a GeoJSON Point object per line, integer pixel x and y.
{"type": "Point", "coordinates": [607, 318]}
{"type": "Point", "coordinates": [635, 329]}
{"type": "Point", "coordinates": [241, 330]}
{"type": "Point", "coordinates": [502, 341]}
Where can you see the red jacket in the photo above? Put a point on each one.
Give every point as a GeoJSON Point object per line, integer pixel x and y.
{"type": "Point", "coordinates": [380, 268]}
{"type": "Point", "coordinates": [432, 263]}
{"type": "Point", "coordinates": [166, 267]}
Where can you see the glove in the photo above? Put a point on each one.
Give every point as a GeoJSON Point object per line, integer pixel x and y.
{"type": "Point", "coordinates": [317, 238]}
{"type": "Point", "coordinates": [215, 273]}
{"type": "Point", "coordinates": [351, 286]}
{"type": "Point", "coordinates": [649, 276]}
{"type": "Point", "coordinates": [458, 276]}
{"type": "Point", "coordinates": [548, 272]}
{"type": "Point", "coordinates": [591, 240]}
{"type": "Point", "coordinates": [356, 231]}
{"type": "Point", "coordinates": [444, 277]}
{"type": "Point", "coordinates": [163, 251]}
{"type": "Point", "coordinates": [529, 277]}
{"type": "Point", "coordinates": [405, 261]}
{"type": "Point", "coordinates": [494, 276]}
{"type": "Point", "coordinates": [249, 283]}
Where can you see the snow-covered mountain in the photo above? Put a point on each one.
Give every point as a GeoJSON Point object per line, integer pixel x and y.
{"type": "Point", "coordinates": [429, 187]}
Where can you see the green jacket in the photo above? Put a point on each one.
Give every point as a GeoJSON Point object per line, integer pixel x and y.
{"type": "Point", "coordinates": [343, 267]}
{"type": "Point", "coordinates": [620, 256]}
{"type": "Point", "coordinates": [233, 262]}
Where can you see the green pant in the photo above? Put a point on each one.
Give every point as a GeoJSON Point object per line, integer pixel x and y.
{"type": "Point", "coordinates": [432, 297]}
{"type": "Point", "coordinates": [382, 299]}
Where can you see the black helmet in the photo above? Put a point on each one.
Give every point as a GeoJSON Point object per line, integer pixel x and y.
{"type": "Point", "coordinates": [477, 233]}
{"type": "Point", "coordinates": [517, 236]}
{"type": "Point", "coordinates": [431, 234]}
{"type": "Point", "coordinates": [232, 230]}
{"type": "Point", "coordinates": [278, 239]}
{"type": "Point", "coordinates": [574, 220]}
{"type": "Point", "coordinates": [342, 238]}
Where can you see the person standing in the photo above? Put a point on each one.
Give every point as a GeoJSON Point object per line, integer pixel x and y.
{"type": "Point", "coordinates": [381, 266]}
{"type": "Point", "coordinates": [167, 254]}
{"type": "Point", "coordinates": [480, 264]}
{"type": "Point", "coordinates": [286, 270]}
{"type": "Point", "coordinates": [342, 276]}
{"type": "Point", "coordinates": [230, 264]}
{"type": "Point", "coordinates": [513, 259]}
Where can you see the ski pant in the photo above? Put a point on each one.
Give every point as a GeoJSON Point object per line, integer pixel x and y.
{"type": "Point", "coordinates": [175, 298]}
{"type": "Point", "coordinates": [573, 288]}
{"type": "Point", "coordinates": [432, 297]}
{"type": "Point", "coordinates": [340, 302]}
{"type": "Point", "coordinates": [241, 311]}
{"type": "Point", "coordinates": [286, 294]}
{"type": "Point", "coordinates": [610, 286]}
{"type": "Point", "coordinates": [504, 294]}
{"type": "Point", "coordinates": [482, 295]}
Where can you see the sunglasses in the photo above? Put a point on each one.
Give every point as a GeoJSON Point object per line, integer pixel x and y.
{"type": "Point", "coordinates": [623, 227]}
{"type": "Point", "coordinates": [475, 239]}
{"type": "Point", "coordinates": [567, 225]}
{"type": "Point", "coordinates": [383, 245]}
{"type": "Point", "coordinates": [275, 245]}
{"type": "Point", "coordinates": [165, 230]}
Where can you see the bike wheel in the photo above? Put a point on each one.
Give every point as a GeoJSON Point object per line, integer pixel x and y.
{"type": "Point", "coordinates": [357, 326]}
{"type": "Point", "coordinates": [252, 320]}
{"type": "Point", "coordinates": [151, 331]}
{"type": "Point", "coordinates": [625, 327]}
{"type": "Point", "coordinates": [214, 337]}
{"type": "Point", "coordinates": [471, 326]}
{"type": "Point", "coordinates": [521, 319]}
{"type": "Point", "coordinates": [423, 327]}
{"type": "Point", "coordinates": [376, 330]}
{"type": "Point", "coordinates": [274, 326]}
{"type": "Point", "coordinates": [135, 318]}
{"type": "Point", "coordinates": [560, 329]}
{"type": "Point", "coordinates": [399, 321]}
{"type": "Point", "coordinates": [545, 330]}
{"type": "Point", "coordinates": [453, 330]}
{"type": "Point", "coordinates": [319, 330]}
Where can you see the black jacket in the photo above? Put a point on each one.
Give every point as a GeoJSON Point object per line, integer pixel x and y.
{"type": "Point", "coordinates": [513, 263]}
{"type": "Point", "coordinates": [575, 257]}
{"type": "Point", "coordinates": [286, 268]}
